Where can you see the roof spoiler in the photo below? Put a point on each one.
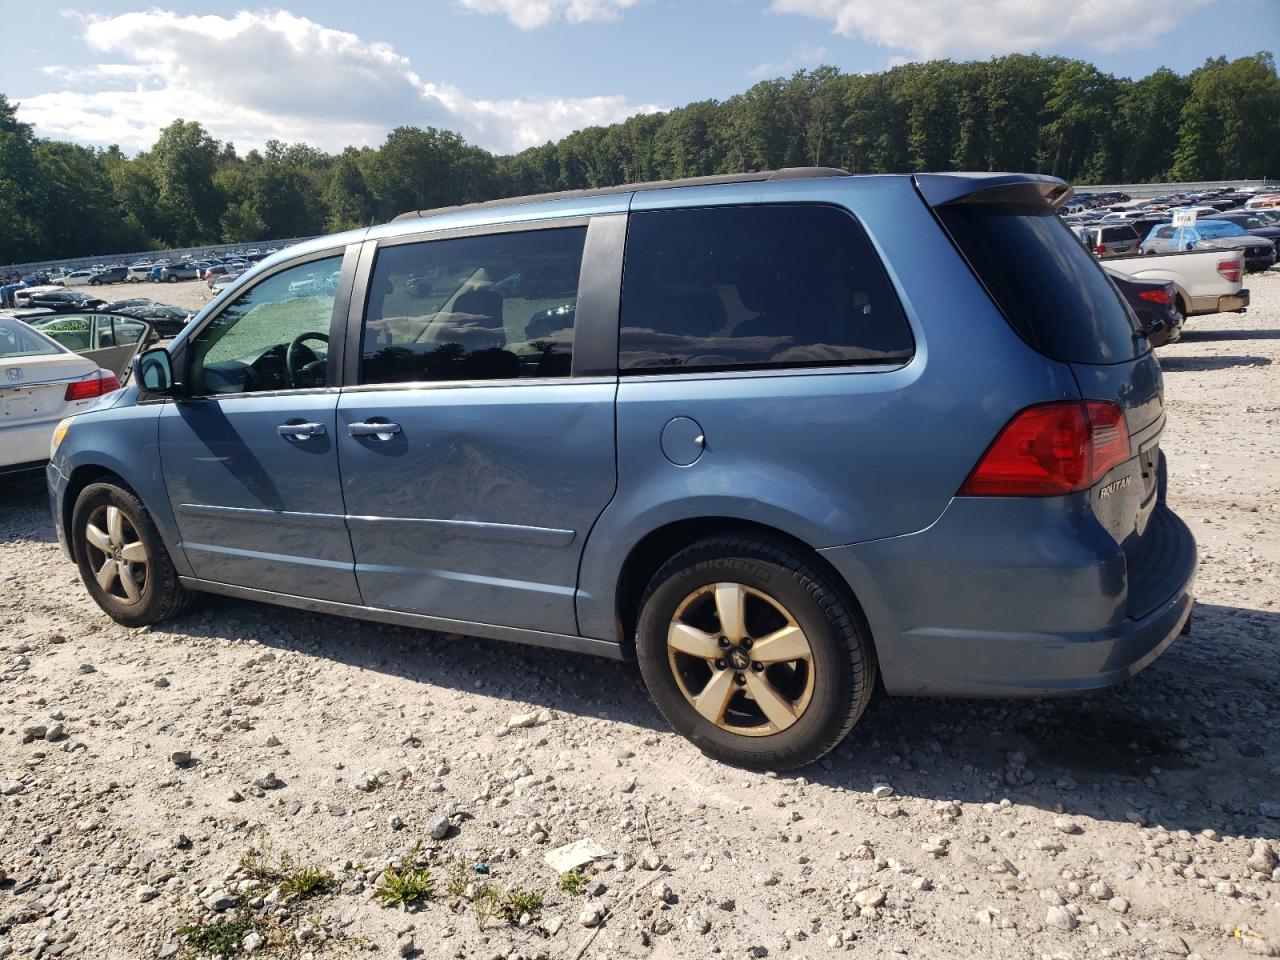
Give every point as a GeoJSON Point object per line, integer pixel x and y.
{"type": "Point", "coordinates": [939, 189]}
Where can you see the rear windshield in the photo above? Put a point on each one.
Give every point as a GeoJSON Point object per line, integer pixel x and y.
{"type": "Point", "coordinates": [1048, 286]}
{"type": "Point", "coordinates": [19, 340]}
{"type": "Point", "coordinates": [1119, 233]}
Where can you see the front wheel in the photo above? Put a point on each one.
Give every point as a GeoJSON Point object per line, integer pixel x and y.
{"type": "Point", "coordinates": [122, 559]}
{"type": "Point", "coordinates": [753, 654]}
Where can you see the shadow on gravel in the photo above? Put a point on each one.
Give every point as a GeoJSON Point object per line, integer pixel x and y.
{"type": "Point", "coordinates": [1189, 743]}
{"type": "Point", "coordinates": [1192, 742]}
{"type": "Point", "coordinates": [1208, 336]}
{"type": "Point", "coordinates": [24, 509]}
{"type": "Point", "coordinates": [1212, 363]}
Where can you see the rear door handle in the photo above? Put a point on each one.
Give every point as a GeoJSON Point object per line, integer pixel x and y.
{"type": "Point", "coordinates": [374, 429]}
{"type": "Point", "coordinates": [300, 431]}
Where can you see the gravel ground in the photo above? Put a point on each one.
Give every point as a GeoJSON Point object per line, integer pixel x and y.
{"type": "Point", "coordinates": [189, 294]}
{"type": "Point", "coordinates": [138, 767]}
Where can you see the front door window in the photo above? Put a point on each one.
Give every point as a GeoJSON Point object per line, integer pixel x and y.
{"type": "Point", "coordinates": [272, 336]}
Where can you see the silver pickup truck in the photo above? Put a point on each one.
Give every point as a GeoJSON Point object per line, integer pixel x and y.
{"type": "Point", "coordinates": [1207, 281]}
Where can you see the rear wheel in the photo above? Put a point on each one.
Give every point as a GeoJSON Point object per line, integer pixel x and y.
{"type": "Point", "coordinates": [122, 560]}
{"type": "Point", "coordinates": [750, 652]}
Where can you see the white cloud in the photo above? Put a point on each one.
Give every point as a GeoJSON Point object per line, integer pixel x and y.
{"type": "Point", "coordinates": [976, 28]}
{"type": "Point", "coordinates": [532, 14]}
{"type": "Point", "coordinates": [253, 77]}
{"type": "Point", "coordinates": [801, 56]}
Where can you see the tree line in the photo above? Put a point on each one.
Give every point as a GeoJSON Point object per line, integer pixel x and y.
{"type": "Point", "coordinates": [1049, 115]}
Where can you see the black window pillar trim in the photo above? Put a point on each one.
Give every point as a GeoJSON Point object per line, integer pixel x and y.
{"type": "Point", "coordinates": [595, 327]}
{"type": "Point", "coordinates": [355, 313]}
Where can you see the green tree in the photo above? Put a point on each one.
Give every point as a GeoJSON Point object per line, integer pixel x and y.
{"type": "Point", "coordinates": [1229, 121]}
{"type": "Point", "coordinates": [188, 202]}
{"type": "Point", "coordinates": [241, 223]}
{"type": "Point", "coordinates": [21, 238]}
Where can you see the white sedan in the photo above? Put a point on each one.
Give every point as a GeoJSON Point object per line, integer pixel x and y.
{"type": "Point", "coordinates": [41, 382]}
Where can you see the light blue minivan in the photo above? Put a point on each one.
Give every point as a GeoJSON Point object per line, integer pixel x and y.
{"type": "Point", "coordinates": [775, 435]}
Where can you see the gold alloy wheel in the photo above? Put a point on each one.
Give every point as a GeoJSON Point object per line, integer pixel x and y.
{"type": "Point", "coordinates": [117, 554]}
{"type": "Point", "coordinates": [740, 659]}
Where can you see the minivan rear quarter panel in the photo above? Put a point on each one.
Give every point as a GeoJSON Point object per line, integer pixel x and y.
{"type": "Point", "coordinates": [821, 453]}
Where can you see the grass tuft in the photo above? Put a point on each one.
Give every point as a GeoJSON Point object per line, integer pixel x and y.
{"type": "Point", "coordinates": [406, 883]}
{"type": "Point", "coordinates": [219, 938]}
{"type": "Point", "coordinates": [296, 880]}
{"type": "Point", "coordinates": [516, 903]}
{"type": "Point", "coordinates": [573, 882]}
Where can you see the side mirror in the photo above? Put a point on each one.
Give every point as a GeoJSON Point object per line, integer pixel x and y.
{"type": "Point", "coordinates": [153, 371]}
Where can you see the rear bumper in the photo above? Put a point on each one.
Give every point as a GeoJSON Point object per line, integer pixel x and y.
{"type": "Point", "coordinates": [1008, 598]}
{"type": "Point", "coordinates": [1232, 303]}
{"type": "Point", "coordinates": [27, 445]}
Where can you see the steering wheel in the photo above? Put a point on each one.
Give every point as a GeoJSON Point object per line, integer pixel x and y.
{"type": "Point", "coordinates": [308, 369]}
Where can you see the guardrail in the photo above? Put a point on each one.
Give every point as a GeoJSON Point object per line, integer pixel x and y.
{"type": "Point", "coordinates": [176, 253]}
{"type": "Point", "coordinates": [1136, 190]}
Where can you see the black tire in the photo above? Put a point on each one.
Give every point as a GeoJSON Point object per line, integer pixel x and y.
{"type": "Point", "coordinates": [161, 594]}
{"type": "Point", "coordinates": [843, 661]}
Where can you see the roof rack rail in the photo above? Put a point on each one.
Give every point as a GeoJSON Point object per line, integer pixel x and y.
{"type": "Point", "coordinates": [786, 173]}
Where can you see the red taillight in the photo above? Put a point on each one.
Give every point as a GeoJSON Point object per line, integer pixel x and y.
{"type": "Point", "coordinates": [1230, 269]}
{"type": "Point", "coordinates": [1157, 296]}
{"type": "Point", "coordinates": [1101, 250]}
{"type": "Point", "coordinates": [94, 385]}
{"type": "Point", "coordinates": [1052, 449]}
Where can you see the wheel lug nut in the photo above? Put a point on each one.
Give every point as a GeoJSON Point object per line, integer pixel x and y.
{"type": "Point", "coordinates": [719, 664]}
{"type": "Point", "coordinates": [723, 641]}
{"type": "Point", "coordinates": [739, 679]}
{"type": "Point", "coordinates": [746, 643]}
{"type": "Point", "coordinates": [757, 666]}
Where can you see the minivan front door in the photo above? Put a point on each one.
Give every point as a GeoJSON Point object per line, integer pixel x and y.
{"type": "Point", "coordinates": [476, 449]}
{"type": "Point", "coordinates": [250, 455]}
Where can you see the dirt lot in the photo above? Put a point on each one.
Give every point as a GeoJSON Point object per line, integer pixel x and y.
{"type": "Point", "coordinates": [1126, 824]}
{"type": "Point", "coordinates": [190, 294]}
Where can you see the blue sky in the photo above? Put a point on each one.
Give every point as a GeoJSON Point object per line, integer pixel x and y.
{"type": "Point", "coordinates": [510, 73]}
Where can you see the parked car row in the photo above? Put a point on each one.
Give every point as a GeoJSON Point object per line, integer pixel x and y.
{"type": "Point", "coordinates": [168, 321]}
{"type": "Point", "coordinates": [1112, 224]}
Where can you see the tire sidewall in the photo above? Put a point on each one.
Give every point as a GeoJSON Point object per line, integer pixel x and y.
{"type": "Point", "coordinates": [98, 495]}
{"type": "Point", "coordinates": [833, 680]}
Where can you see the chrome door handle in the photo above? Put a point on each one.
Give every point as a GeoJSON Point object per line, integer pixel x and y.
{"type": "Point", "coordinates": [378, 431]}
{"type": "Point", "coordinates": [300, 431]}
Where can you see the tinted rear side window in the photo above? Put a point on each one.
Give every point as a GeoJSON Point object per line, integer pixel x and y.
{"type": "Point", "coordinates": [723, 288]}
{"type": "Point", "coordinates": [1048, 286]}
{"type": "Point", "coordinates": [490, 307]}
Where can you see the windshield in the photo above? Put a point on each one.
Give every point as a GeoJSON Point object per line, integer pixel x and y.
{"type": "Point", "coordinates": [19, 340]}
{"type": "Point", "coordinates": [1220, 228]}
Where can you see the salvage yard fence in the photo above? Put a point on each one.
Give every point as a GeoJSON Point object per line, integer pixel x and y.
{"type": "Point", "coordinates": [176, 253]}
{"type": "Point", "coordinates": [1138, 190]}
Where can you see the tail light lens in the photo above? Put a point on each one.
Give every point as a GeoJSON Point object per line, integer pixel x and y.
{"type": "Point", "coordinates": [1157, 296]}
{"type": "Point", "coordinates": [94, 385]}
{"type": "Point", "coordinates": [1052, 449]}
{"type": "Point", "coordinates": [1230, 269]}
{"type": "Point", "coordinates": [1101, 250]}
